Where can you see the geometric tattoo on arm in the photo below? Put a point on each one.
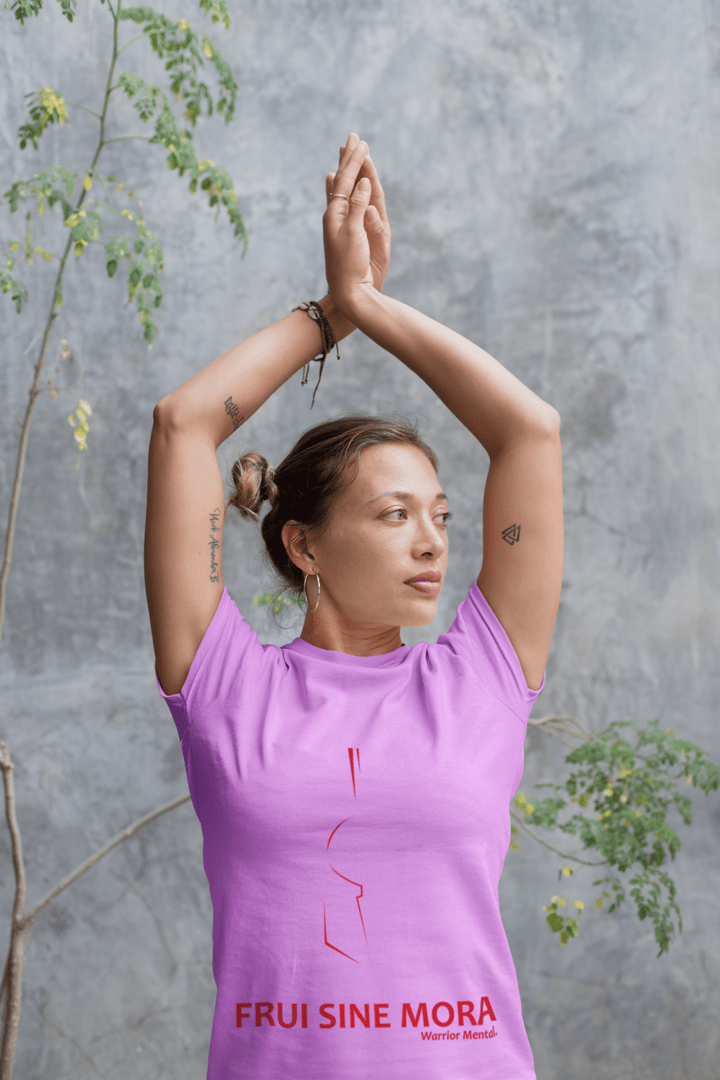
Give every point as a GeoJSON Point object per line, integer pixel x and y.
{"type": "Point", "coordinates": [214, 543]}
{"type": "Point", "coordinates": [234, 413]}
{"type": "Point", "coordinates": [512, 534]}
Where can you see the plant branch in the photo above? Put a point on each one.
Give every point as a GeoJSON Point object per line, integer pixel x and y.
{"type": "Point", "coordinates": [77, 106]}
{"type": "Point", "coordinates": [21, 927]}
{"type": "Point", "coordinates": [120, 138]}
{"type": "Point", "coordinates": [22, 449]}
{"type": "Point", "coordinates": [22, 922]}
{"type": "Point", "coordinates": [33, 393]}
{"type": "Point", "coordinates": [118, 839]}
{"type": "Point", "coordinates": [560, 853]}
{"type": "Point", "coordinates": [106, 100]}
{"type": "Point", "coordinates": [123, 47]}
{"type": "Point", "coordinates": [564, 724]}
{"type": "Point", "coordinates": [13, 967]}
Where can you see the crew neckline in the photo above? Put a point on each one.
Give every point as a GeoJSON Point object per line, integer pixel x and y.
{"type": "Point", "coordinates": [391, 659]}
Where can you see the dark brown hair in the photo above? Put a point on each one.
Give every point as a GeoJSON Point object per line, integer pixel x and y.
{"type": "Point", "coordinates": [307, 481]}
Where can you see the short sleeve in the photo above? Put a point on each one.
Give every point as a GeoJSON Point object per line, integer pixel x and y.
{"type": "Point", "coordinates": [477, 636]}
{"type": "Point", "coordinates": [229, 646]}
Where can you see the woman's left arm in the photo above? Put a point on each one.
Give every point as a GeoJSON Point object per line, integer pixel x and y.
{"type": "Point", "coordinates": [522, 562]}
{"type": "Point", "coordinates": [487, 398]}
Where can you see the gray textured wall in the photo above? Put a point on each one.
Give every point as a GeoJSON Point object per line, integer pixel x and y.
{"type": "Point", "coordinates": [552, 176]}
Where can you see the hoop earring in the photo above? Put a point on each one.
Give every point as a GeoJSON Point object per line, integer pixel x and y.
{"type": "Point", "coordinates": [306, 595]}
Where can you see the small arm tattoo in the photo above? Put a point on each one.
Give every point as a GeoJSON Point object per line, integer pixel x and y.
{"type": "Point", "coordinates": [234, 413]}
{"type": "Point", "coordinates": [511, 534]}
{"type": "Point", "coordinates": [214, 543]}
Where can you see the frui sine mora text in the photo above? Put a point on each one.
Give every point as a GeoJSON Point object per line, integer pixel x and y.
{"type": "Point", "coordinates": [441, 1014]}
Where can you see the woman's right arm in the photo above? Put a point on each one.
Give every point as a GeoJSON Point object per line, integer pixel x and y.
{"type": "Point", "coordinates": [185, 499]}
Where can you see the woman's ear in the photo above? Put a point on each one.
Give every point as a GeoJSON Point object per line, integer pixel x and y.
{"type": "Point", "coordinates": [295, 543]}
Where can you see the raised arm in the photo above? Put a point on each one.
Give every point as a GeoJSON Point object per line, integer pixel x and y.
{"type": "Point", "coordinates": [487, 398]}
{"type": "Point", "coordinates": [185, 502]}
{"type": "Point", "coordinates": [522, 563]}
{"type": "Point", "coordinates": [185, 499]}
{"type": "Point", "coordinates": [226, 393]}
{"type": "Point", "coordinates": [523, 536]}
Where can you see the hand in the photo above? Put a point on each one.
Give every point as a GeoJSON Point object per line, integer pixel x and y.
{"type": "Point", "coordinates": [377, 225]}
{"type": "Point", "coordinates": [356, 233]}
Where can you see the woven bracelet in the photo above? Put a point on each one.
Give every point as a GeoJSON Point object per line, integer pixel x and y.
{"type": "Point", "coordinates": [328, 338]}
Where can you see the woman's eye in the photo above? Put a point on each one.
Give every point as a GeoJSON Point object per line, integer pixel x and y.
{"type": "Point", "coordinates": [447, 514]}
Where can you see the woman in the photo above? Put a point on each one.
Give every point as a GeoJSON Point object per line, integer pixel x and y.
{"type": "Point", "coordinates": [353, 791]}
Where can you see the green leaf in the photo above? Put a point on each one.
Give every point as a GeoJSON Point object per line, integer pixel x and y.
{"type": "Point", "coordinates": [631, 793]}
{"type": "Point", "coordinates": [45, 106]}
{"type": "Point", "coordinates": [23, 9]}
{"type": "Point", "coordinates": [148, 94]}
{"type": "Point", "coordinates": [218, 9]}
{"type": "Point", "coordinates": [218, 182]}
{"type": "Point", "coordinates": [186, 52]}
{"type": "Point", "coordinates": [10, 284]}
{"type": "Point", "coordinates": [111, 267]}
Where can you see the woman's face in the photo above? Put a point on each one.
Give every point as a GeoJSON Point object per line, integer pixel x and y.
{"type": "Point", "coordinates": [375, 541]}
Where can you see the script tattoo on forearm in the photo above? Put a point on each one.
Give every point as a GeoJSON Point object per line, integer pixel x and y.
{"type": "Point", "coordinates": [511, 534]}
{"type": "Point", "coordinates": [234, 413]}
{"type": "Point", "coordinates": [214, 543]}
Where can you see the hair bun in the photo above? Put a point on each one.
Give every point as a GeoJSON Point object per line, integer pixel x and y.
{"type": "Point", "coordinates": [269, 487]}
{"type": "Point", "coordinates": [253, 482]}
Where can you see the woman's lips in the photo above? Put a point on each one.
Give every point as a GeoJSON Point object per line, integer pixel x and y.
{"type": "Point", "coordinates": [430, 587]}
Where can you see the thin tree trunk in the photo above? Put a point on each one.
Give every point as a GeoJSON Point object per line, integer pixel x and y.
{"type": "Point", "coordinates": [22, 450]}
{"type": "Point", "coordinates": [21, 927]}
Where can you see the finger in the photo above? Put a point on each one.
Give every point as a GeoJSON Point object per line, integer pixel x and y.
{"type": "Point", "coordinates": [358, 203]}
{"type": "Point", "coordinates": [347, 174]}
{"type": "Point", "coordinates": [347, 148]}
{"type": "Point", "coordinates": [377, 198]}
{"type": "Point", "coordinates": [329, 179]}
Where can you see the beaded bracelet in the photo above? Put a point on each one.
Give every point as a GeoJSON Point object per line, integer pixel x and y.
{"type": "Point", "coordinates": [316, 312]}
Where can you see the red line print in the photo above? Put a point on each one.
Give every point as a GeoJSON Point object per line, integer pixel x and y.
{"type": "Point", "coordinates": [358, 897]}
{"type": "Point", "coordinates": [350, 881]}
{"type": "Point", "coordinates": [334, 946]}
{"type": "Point", "coordinates": [352, 769]}
{"type": "Point", "coordinates": [333, 833]}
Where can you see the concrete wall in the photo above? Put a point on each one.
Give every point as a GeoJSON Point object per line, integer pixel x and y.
{"type": "Point", "coordinates": [552, 177]}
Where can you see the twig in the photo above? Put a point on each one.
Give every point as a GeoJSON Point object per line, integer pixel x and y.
{"type": "Point", "coordinates": [560, 853]}
{"type": "Point", "coordinates": [27, 350]}
{"type": "Point", "coordinates": [13, 966]}
{"type": "Point", "coordinates": [22, 447]}
{"type": "Point", "coordinates": [22, 922]}
{"type": "Point", "coordinates": [564, 723]}
{"type": "Point", "coordinates": [123, 835]}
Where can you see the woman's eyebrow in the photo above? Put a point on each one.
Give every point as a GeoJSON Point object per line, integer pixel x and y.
{"type": "Point", "coordinates": [405, 495]}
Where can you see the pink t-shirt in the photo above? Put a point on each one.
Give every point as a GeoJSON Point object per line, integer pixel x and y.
{"type": "Point", "coordinates": [355, 820]}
